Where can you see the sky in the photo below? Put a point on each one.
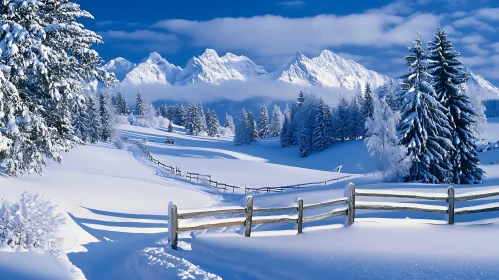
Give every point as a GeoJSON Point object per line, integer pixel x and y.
{"type": "Point", "coordinates": [373, 33]}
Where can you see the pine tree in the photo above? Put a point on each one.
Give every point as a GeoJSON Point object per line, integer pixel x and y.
{"type": "Point", "coordinates": [301, 98]}
{"type": "Point", "coordinates": [120, 105]}
{"type": "Point", "coordinates": [80, 120]}
{"type": "Point", "coordinates": [367, 104]}
{"type": "Point", "coordinates": [356, 128]}
{"type": "Point", "coordinates": [251, 127]}
{"type": "Point", "coordinates": [320, 140]}
{"type": "Point", "coordinates": [191, 117]}
{"type": "Point", "coordinates": [49, 57]}
{"type": "Point", "coordinates": [263, 123]}
{"type": "Point", "coordinates": [382, 140]}
{"type": "Point", "coordinates": [182, 116]}
{"type": "Point", "coordinates": [284, 137]}
{"type": "Point", "coordinates": [328, 122]}
{"type": "Point", "coordinates": [304, 144]}
{"type": "Point", "coordinates": [95, 123]}
{"type": "Point", "coordinates": [212, 123]}
{"type": "Point", "coordinates": [105, 118]}
{"type": "Point", "coordinates": [241, 132]}
{"type": "Point", "coordinates": [292, 137]}
{"type": "Point", "coordinates": [424, 126]}
{"type": "Point", "coordinates": [229, 122]}
{"type": "Point", "coordinates": [448, 78]}
{"type": "Point", "coordinates": [201, 119]}
{"type": "Point", "coordinates": [139, 105]}
{"type": "Point", "coordinates": [276, 122]}
{"type": "Point", "coordinates": [342, 123]}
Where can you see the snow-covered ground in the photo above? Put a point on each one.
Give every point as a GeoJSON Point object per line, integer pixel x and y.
{"type": "Point", "coordinates": [116, 206]}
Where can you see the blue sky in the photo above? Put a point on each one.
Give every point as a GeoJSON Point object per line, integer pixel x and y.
{"type": "Point", "coordinates": [373, 33]}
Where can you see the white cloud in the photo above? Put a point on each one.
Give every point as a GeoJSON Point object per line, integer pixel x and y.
{"type": "Point", "coordinates": [291, 4]}
{"type": "Point", "coordinates": [240, 90]}
{"type": "Point", "coordinates": [476, 49]}
{"type": "Point", "coordinates": [472, 22]}
{"type": "Point", "coordinates": [488, 13]}
{"type": "Point", "coordinates": [269, 36]}
{"type": "Point", "coordinates": [139, 35]}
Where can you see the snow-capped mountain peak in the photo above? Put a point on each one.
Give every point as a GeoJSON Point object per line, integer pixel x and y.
{"type": "Point", "coordinates": [209, 67]}
{"type": "Point", "coordinates": [119, 66]}
{"type": "Point", "coordinates": [154, 69]}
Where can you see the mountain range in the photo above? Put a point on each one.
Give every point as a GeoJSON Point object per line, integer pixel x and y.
{"type": "Point", "coordinates": [326, 70]}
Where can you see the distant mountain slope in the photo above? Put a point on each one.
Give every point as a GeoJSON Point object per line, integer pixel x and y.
{"type": "Point", "coordinates": [326, 70]}
{"type": "Point", "coordinates": [152, 70]}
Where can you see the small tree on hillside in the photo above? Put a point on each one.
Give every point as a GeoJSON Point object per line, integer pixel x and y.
{"type": "Point", "coordinates": [276, 122]}
{"type": "Point", "coordinates": [140, 106]}
{"type": "Point", "coordinates": [263, 123]}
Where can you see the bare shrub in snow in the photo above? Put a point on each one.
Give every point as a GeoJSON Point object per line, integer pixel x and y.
{"type": "Point", "coordinates": [30, 223]}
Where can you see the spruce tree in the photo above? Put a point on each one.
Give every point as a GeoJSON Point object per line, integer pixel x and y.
{"type": "Point", "coordinates": [424, 126]}
{"type": "Point", "coordinates": [284, 137]}
{"type": "Point", "coordinates": [356, 127]}
{"type": "Point", "coordinates": [121, 106]}
{"type": "Point", "coordinates": [182, 115]}
{"type": "Point", "coordinates": [367, 104]}
{"type": "Point", "coordinates": [212, 123]}
{"type": "Point", "coordinates": [105, 118]}
{"type": "Point", "coordinates": [95, 123]}
{"type": "Point", "coordinates": [139, 105]}
{"type": "Point", "coordinates": [80, 120]}
{"type": "Point", "coordinates": [263, 123]}
{"type": "Point", "coordinates": [448, 78]}
{"type": "Point", "coordinates": [276, 122]}
{"type": "Point", "coordinates": [304, 144]}
{"type": "Point", "coordinates": [200, 119]}
{"type": "Point", "coordinates": [50, 57]}
{"type": "Point", "coordinates": [342, 124]}
{"type": "Point", "coordinates": [320, 139]}
{"type": "Point", "coordinates": [251, 127]}
{"type": "Point", "coordinates": [242, 136]}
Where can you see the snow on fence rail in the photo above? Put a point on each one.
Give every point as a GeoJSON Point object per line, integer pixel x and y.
{"type": "Point", "coordinates": [181, 220]}
{"type": "Point", "coordinates": [249, 190]}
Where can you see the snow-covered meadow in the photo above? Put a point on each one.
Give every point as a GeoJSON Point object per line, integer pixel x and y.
{"type": "Point", "coordinates": [115, 202]}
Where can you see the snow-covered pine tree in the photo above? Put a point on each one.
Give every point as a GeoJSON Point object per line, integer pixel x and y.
{"type": "Point", "coordinates": [49, 57]}
{"type": "Point", "coordinates": [301, 98]}
{"type": "Point", "coordinates": [80, 120]}
{"type": "Point", "coordinates": [342, 123]}
{"type": "Point", "coordinates": [251, 127]}
{"type": "Point", "coordinates": [448, 78]}
{"type": "Point", "coordinates": [171, 112]}
{"type": "Point", "coordinates": [276, 122]}
{"type": "Point", "coordinates": [391, 95]}
{"type": "Point", "coordinates": [356, 128]}
{"type": "Point", "coordinates": [190, 118]}
{"type": "Point", "coordinates": [105, 116]}
{"type": "Point", "coordinates": [181, 115]}
{"type": "Point", "coordinates": [382, 141]}
{"type": "Point", "coordinates": [139, 105]}
{"type": "Point", "coordinates": [95, 123]}
{"type": "Point", "coordinates": [212, 123]}
{"type": "Point", "coordinates": [284, 137]}
{"type": "Point", "coordinates": [201, 119]}
{"type": "Point", "coordinates": [424, 126]}
{"type": "Point", "coordinates": [292, 130]}
{"type": "Point", "coordinates": [241, 132]}
{"type": "Point", "coordinates": [229, 122]}
{"type": "Point", "coordinates": [304, 144]}
{"type": "Point", "coordinates": [320, 140]}
{"type": "Point", "coordinates": [163, 111]}
{"type": "Point", "coordinates": [263, 123]}
{"type": "Point", "coordinates": [121, 105]}
{"type": "Point", "coordinates": [367, 104]}
{"type": "Point", "coordinates": [328, 120]}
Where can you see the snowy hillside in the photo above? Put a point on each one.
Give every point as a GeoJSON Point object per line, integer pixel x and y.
{"type": "Point", "coordinates": [485, 89]}
{"type": "Point", "coordinates": [152, 70]}
{"type": "Point", "coordinates": [328, 70]}
{"type": "Point", "coordinates": [213, 69]}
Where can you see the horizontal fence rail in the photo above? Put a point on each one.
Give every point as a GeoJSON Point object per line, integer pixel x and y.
{"type": "Point", "coordinates": [250, 190]}
{"type": "Point", "coordinates": [181, 220]}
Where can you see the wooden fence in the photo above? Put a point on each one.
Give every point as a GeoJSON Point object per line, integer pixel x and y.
{"type": "Point", "coordinates": [224, 186]}
{"type": "Point", "coordinates": [250, 190]}
{"type": "Point", "coordinates": [180, 219]}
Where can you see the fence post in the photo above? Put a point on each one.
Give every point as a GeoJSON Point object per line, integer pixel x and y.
{"type": "Point", "coordinates": [351, 203]}
{"type": "Point", "coordinates": [450, 202]}
{"type": "Point", "coordinates": [300, 215]}
{"type": "Point", "coordinates": [249, 216]}
{"type": "Point", "coordinates": [172, 225]}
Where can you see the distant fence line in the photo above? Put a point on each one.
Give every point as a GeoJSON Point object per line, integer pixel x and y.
{"type": "Point", "coordinates": [224, 186]}
{"type": "Point", "coordinates": [346, 207]}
